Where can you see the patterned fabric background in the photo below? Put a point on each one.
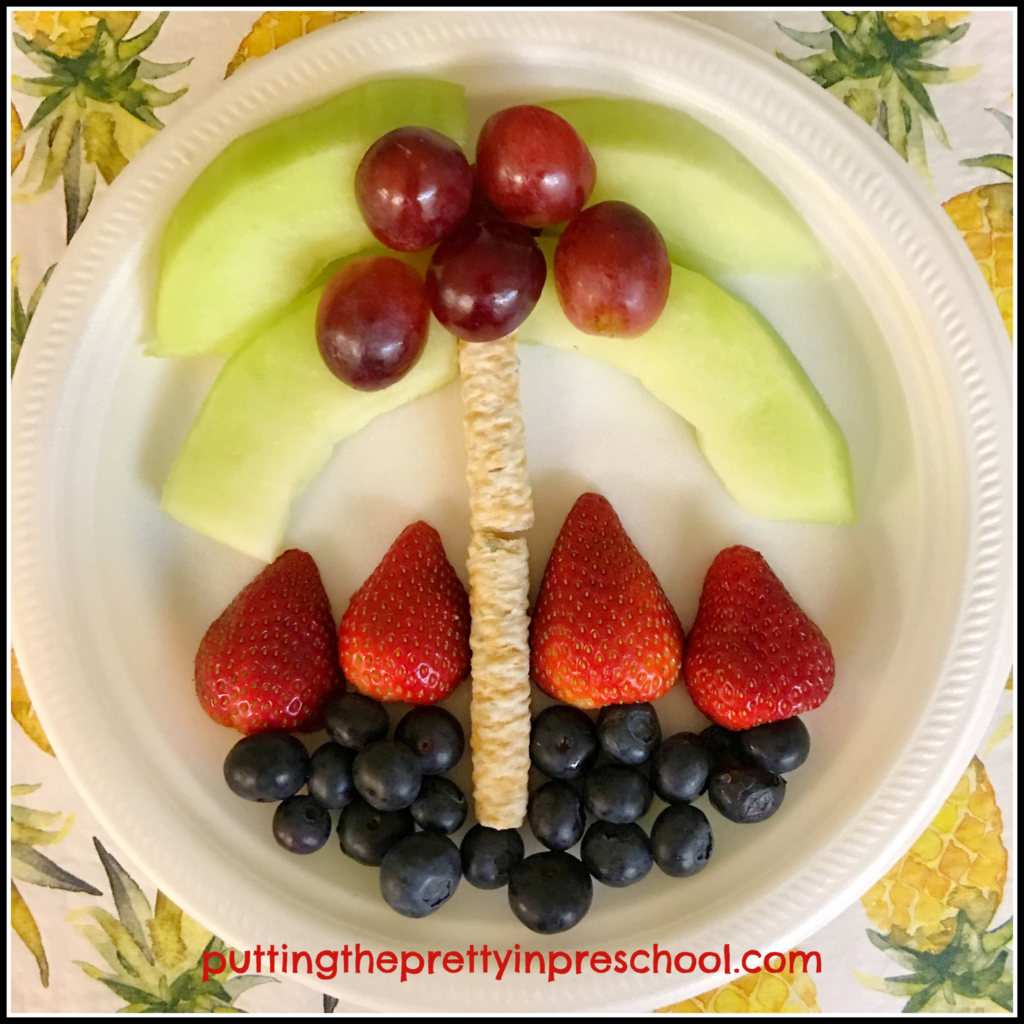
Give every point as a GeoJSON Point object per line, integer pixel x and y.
{"type": "Point", "coordinates": [91, 932]}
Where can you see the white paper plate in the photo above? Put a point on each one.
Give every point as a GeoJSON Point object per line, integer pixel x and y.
{"type": "Point", "coordinates": [111, 597]}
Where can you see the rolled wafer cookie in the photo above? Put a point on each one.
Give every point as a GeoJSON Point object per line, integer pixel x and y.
{"type": "Point", "coordinates": [501, 508]}
{"type": "Point", "coordinates": [500, 498]}
{"type": "Point", "coordinates": [500, 711]}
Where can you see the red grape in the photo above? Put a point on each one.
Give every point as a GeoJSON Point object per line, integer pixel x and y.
{"type": "Point", "coordinates": [534, 166]}
{"type": "Point", "coordinates": [413, 187]}
{"type": "Point", "coordinates": [484, 280]}
{"type": "Point", "coordinates": [612, 271]}
{"type": "Point", "coordinates": [371, 324]}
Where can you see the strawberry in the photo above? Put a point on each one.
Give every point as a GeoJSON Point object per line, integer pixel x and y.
{"type": "Point", "coordinates": [269, 661]}
{"type": "Point", "coordinates": [405, 633]}
{"type": "Point", "coordinates": [753, 656]}
{"type": "Point", "coordinates": [603, 631]}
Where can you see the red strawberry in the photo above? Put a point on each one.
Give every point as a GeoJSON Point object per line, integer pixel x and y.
{"type": "Point", "coordinates": [603, 631]}
{"type": "Point", "coordinates": [753, 656]}
{"type": "Point", "coordinates": [269, 661]}
{"type": "Point", "coordinates": [405, 633]}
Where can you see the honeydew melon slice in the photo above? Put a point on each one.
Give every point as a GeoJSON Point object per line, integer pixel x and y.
{"type": "Point", "coordinates": [270, 424]}
{"type": "Point", "coordinates": [262, 220]}
{"type": "Point", "coordinates": [758, 419]}
{"type": "Point", "coordinates": [717, 211]}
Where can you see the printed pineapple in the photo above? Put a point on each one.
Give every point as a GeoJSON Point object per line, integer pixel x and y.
{"type": "Point", "coordinates": [879, 64]}
{"type": "Point", "coordinates": [785, 992]}
{"type": "Point", "coordinates": [23, 712]}
{"type": "Point", "coordinates": [29, 829]}
{"type": "Point", "coordinates": [155, 957]}
{"type": "Point", "coordinates": [97, 103]}
{"type": "Point", "coordinates": [984, 216]}
{"type": "Point", "coordinates": [937, 901]}
{"type": "Point", "coordinates": [958, 863]}
{"type": "Point", "coordinates": [275, 28]}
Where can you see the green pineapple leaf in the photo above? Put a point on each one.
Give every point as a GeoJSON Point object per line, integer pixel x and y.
{"type": "Point", "coordinates": [132, 906]}
{"type": "Point", "coordinates": [972, 973]}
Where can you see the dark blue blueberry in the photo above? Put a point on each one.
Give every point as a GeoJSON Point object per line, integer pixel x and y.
{"type": "Point", "coordinates": [747, 794]}
{"type": "Point", "coordinates": [302, 824]}
{"type": "Point", "coordinates": [679, 772]}
{"type": "Point", "coordinates": [367, 834]}
{"type": "Point", "coordinates": [435, 736]}
{"type": "Point", "coordinates": [550, 892]}
{"type": "Point", "coordinates": [681, 840]}
{"type": "Point", "coordinates": [490, 854]}
{"type": "Point", "coordinates": [355, 721]}
{"type": "Point", "coordinates": [387, 775]}
{"type": "Point", "coordinates": [266, 766]}
{"type": "Point", "coordinates": [617, 855]}
{"type": "Point", "coordinates": [629, 733]}
{"type": "Point", "coordinates": [779, 747]}
{"type": "Point", "coordinates": [330, 775]}
{"type": "Point", "coordinates": [563, 742]}
{"type": "Point", "coordinates": [440, 807]}
{"type": "Point", "coordinates": [556, 815]}
{"type": "Point", "coordinates": [617, 793]}
{"type": "Point", "coordinates": [420, 873]}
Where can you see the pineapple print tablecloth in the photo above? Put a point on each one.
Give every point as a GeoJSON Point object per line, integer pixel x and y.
{"type": "Point", "coordinates": [90, 932]}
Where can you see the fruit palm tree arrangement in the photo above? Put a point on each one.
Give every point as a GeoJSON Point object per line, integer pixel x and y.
{"type": "Point", "coordinates": [97, 108]}
{"type": "Point", "coordinates": [878, 64]}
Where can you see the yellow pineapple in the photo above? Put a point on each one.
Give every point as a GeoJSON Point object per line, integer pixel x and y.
{"type": "Point", "coordinates": [275, 28]}
{"type": "Point", "coordinates": [785, 992]}
{"type": "Point", "coordinates": [921, 24]}
{"type": "Point", "coordinates": [958, 863]}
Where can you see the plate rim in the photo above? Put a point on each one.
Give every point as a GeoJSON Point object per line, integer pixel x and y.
{"type": "Point", "coordinates": [53, 342]}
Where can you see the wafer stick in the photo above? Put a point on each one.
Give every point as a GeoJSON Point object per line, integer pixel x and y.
{"type": "Point", "coordinates": [501, 508]}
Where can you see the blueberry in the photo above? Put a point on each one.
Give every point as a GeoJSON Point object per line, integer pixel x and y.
{"type": "Point", "coordinates": [302, 824]}
{"type": "Point", "coordinates": [779, 747]}
{"type": "Point", "coordinates": [722, 746]}
{"type": "Point", "coordinates": [419, 874]}
{"type": "Point", "coordinates": [490, 854]}
{"type": "Point", "coordinates": [617, 793]}
{"type": "Point", "coordinates": [617, 855]}
{"type": "Point", "coordinates": [355, 721]}
{"type": "Point", "coordinates": [387, 775]}
{"type": "Point", "coordinates": [628, 733]}
{"type": "Point", "coordinates": [555, 813]}
{"type": "Point", "coordinates": [330, 775]}
{"type": "Point", "coordinates": [440, 806]}
{"type": "Point", "coordinates": [681, 840]}
{"type": "Point", "coordinates": [434, 736]}
{"type": "Point", "coordinates": [266, 766]}
{"type": "Point", "coordinates": [563, 742]}
{"type": "Point", "coordinates": [367, 834]}
{"type": "Point", "coordinates": [550, 892]}
{"type": "Point", "coordinates": [679, 772]}
{"type": "Point", "coordinates": [746, 794]}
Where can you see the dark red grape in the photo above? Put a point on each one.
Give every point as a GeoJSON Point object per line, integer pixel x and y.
{"type": "Point", "coordinates": [484, 280]}
{"type": "Point", "coordinates": [413, 187]}
{"type": "Point", "coordinates": [372, 321]}
{"type": "Point", "coordinates": [534, 166]}
{"type": "Point", "coordinates": [612, 271]}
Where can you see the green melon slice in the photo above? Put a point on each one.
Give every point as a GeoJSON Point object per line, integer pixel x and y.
{"type": "Point", "coordinates": [758, 419]}
{"type": "Point", "coordinates": [717, 211]}
{"type": "Point", "coordinates": [270, 424]}
{"type": "Point", "coordinates": [263, 219]}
